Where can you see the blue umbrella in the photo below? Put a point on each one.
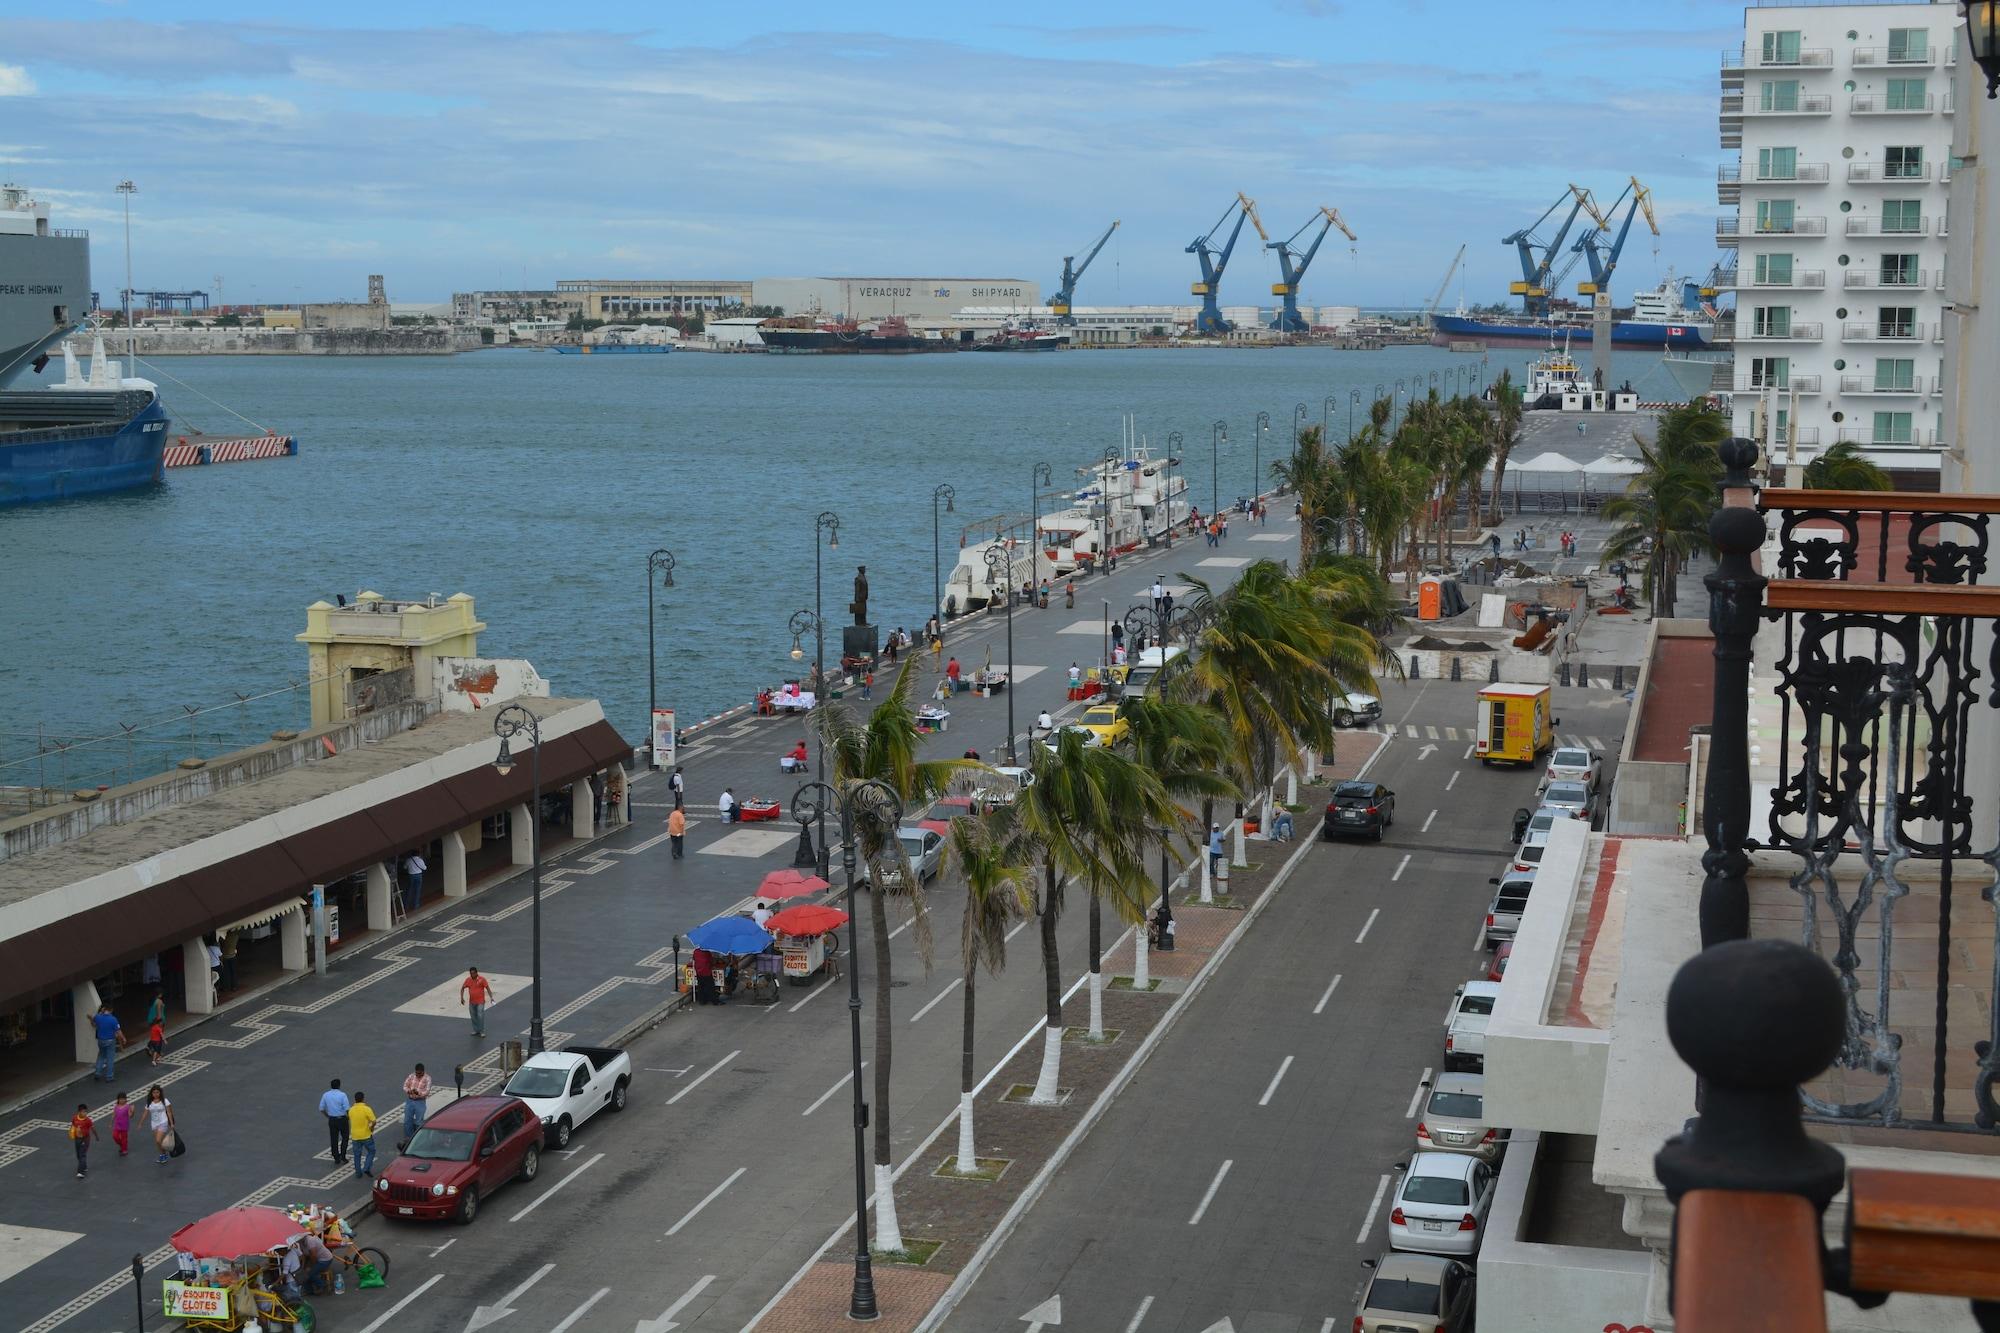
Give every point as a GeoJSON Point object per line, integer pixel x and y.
{"type": "Point", "coordinates": [730, 934]}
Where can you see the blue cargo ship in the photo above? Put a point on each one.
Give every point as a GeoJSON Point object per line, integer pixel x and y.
{"type": "Point", "coordinates": [1668, 316]}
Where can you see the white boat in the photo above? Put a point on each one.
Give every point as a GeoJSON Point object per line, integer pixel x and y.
{"type": "Point", "coordinates": [1552, 374]}
{"type": "Point", "coordinates": [973, 585]}
{"type": "Point", "coordinates": [1123, 504]}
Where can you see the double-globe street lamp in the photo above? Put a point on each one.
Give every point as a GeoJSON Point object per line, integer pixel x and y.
{"type": "Point", "coordinates": [1353, 401]}
{"type": "Point", "coordinates": [1216, 434]}
{"type": "Point", "coordinates": [1112, 458]}
{"type": "Point", "coordinates": [948, 495]}
{"type": "Point", "coordinates": [996, 555]}
{"type": "Point", "coordinates": [510, 722]}
{"type": "Point", "coordinates": [1173, 460]}
{"type": "Point", "coordinates": [660, 568]}
{"type": "Point", "coordinates": [829, 523]}
{"type": "Point", "coordinates": [804, 623]}
{"type": "Point", "coordinates": [1042, 476]}
{"type": "Point", "coordinates": [1257, 450]}
{"type": "Point", "coordinates": [878, 802]}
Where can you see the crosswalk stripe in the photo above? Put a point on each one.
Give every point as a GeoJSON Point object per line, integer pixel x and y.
{"type": "Point", "coordinates": [1451, 733]}
{"type": "Point", "coordinates": [1431, 733]}
{"type": "Point", "coordinates": [1411, 727]}
{"type": "Point", "coordinates": [1595, 743]}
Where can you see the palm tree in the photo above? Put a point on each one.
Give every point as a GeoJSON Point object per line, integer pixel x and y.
{"type": "Point", "coordinates": [884, 748]}
{"type": "Point", "coordinates": [998, 892]}
{"type": "Point", "coordinates": [1086, 817]}
{"type": "Point", "coordinates": [1505, 433]}
{"type": "Point", "coordinates": [1186, 747]}
{"type": "Point", "coordinates": [1845, 468]}
{"type": "Point", "coordinates": [1313, 474]}
{"type": "Point", "coordinates": [1662, 518]}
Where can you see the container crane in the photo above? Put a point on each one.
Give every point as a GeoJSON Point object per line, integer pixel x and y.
{"type": "Point", "coordinates": [1601, 266]}
{"type": "Point", "coordinates": [1431, 306]}
{"type": "Point", "coordinates": [1214, 261]}
{"type": "Point", "coordinates": [1066, 289]}
{"type": "Point", "coordinates": [1293, 265]}
{"type": "Point", "coordinates": [1538, 257]}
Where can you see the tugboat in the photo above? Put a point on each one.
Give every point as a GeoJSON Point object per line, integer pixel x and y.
{"type": "Point", "coordinates": [1023, 340]}
{"type": "Point", "coordinates": [890, 336]}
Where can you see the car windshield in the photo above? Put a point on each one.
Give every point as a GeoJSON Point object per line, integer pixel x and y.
{"type": "Point", "coordinates": [1403, 1296]}
{"type": "Point", "coordinates": [1449, 1191]}
{"type": "Point", "coordinates": [1571, 759]}
{"type": "Point", "coordinates": [1138, 678]}
{"type": "Point", "coordinates": [913, 844]}
{"type": "Point", "coordinates": [1360, 790]}
{"type": "Point", "coordinates": [1475, 1004]}
{"type": "Point", "coordinates": [1457, 1105]}
{"type": "Point", "coordinates": [1531, 854]}
{"type": "Point", "coordinates": [1566, 793]}
{"type": "Point", "coordinates": [534, 1081]}
{"type": "Point", "coordinates": [442, 1145]}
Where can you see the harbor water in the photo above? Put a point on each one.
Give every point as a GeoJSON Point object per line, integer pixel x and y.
{"type": "Point", "coordinates": [539, 483]}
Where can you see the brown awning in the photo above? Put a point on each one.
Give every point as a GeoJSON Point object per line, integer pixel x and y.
{"type": "Point", "coordinates": [413, 820]}
{"type": "Point", "coordinates": [339, 848]}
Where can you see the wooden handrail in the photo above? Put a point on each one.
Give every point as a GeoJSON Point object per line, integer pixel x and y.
{"type": "Point", "coordinates": [1880, 502]}
{"type": "Point", "coordinates": [1745, 1261]}
{"type": "Point", "coordinates": [1932, 1234]}
{"type": "Point", "coordinates": [1923, 599]}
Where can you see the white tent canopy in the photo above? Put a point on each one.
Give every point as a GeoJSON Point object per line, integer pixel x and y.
{"type": "Point", "coordinates": [1610, 466]}
{"type": "Point", "coordinates": [1547, 461]}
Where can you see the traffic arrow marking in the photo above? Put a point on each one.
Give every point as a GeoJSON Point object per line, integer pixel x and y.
{"type": "Point", "coordinates": [482, 1315]}
{"type": "Point", "coordinates": [1046, 1315]}
{"type": "Point", "coordinates": [1222, 1325]}
{"type": "Point", "coordinates": [1423, 753]}
{"type": "Point", "coordinates": [665, 1323]}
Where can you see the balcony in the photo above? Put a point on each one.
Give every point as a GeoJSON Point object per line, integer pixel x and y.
{"type": "Point", "coordinates": [1874, 280]}
{"type": "Point", "coordinates": [1805, 104]}
{"type": "Point", "coordinates": [1864, 226]}
{"type": "Point", "coordinates": [1868, 384]}
{"type": "Point", "coordinates": [1864, 435]}
{"type": "Point", "coordinates": [1729, 230]}
{"type": "Point", "coordinates": [1817, 57]}
{"type": "Point", "coordinates": [1803, 173]}
{"type": "Point", "coordinates": [1881, 104]}
{"type": "Point", "coordinates": [1878, 173]}
{"type": "Point", "coordinates": [1802, 279]}
{"type": "Point", "coordinates": [1882, 333]}
{"type": "Point", "coordinates": [1799, 384]}
{"type": "Point", "coordinates": [1795, 332]}
{"type": "Point", "coordinates": [1915, 57]}
{"type": "Point", "coordinates": [1944, 225]}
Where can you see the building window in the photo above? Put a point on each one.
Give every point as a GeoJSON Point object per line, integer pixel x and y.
{"type": "Point", "coordinates": [1896, 321]}
{"type": "Point", "coordinates": [1770, 372]}
{"type": "Point", "coordinates": [1779, 95]}
{"type": "Point", "coordinates": [1774, 270]}
{"type": "Point", "coordinates": [1903, 162]}
{"type": "Point", "coordinates": [1775, 215]}
{"type": "Point", "coordinates": [1906, 95]}
{"type": "Point", "coordinates": [1909, 44]}
{"type": "Point", "coordinates": [1902, 215]}
{"type": "Point", "coordinates": [1781, 48]}
{"type": "Point", "coordinates": [1777, 164]}
{"type": "Point", "coordinates": [1892, 428]}
{"type": "Point", "coordinates": [1899, 270]}
{"type": "Point", "coordinates": [1894, 373]}
{"type": "Point", "coordinates": [1771, 321]}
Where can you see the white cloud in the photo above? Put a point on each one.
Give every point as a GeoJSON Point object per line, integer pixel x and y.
{"type": "Point", "coordinates": [14, 82]}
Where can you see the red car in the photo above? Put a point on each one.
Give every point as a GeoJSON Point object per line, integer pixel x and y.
{"type": "Point", "coordinates": [462, 1154]}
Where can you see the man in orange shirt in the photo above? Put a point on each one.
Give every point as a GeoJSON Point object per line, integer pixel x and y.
{"type": "Point", "coordinates": [473, 992]}
{"type": "Point", "coordinates": [677, 827]}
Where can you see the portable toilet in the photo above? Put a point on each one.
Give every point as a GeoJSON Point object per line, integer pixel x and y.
{"type": "Point", "coordinates": [1430, 599]}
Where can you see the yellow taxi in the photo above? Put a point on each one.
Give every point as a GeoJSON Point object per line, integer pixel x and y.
{"type": "Point", "coordinates": [1103, 722]}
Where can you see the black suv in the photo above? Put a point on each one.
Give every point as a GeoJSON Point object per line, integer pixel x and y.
{"type": "Point", "coordinates": [1359, 807]}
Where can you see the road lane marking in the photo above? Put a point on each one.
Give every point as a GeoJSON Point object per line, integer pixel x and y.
{"type": "Point", "coordinates": [1139, 1317]}
{"type": "Point", "coordinates": [1453, 781]}
{"type": "Point", "coordinates": [442, 1248]}
{"type": "Point", "coordinates": [1374, 1206]}
{"type": "Point", "coordinates": [580, 1311]}
{"type": "Point", "coordinates": [1595, 743]}
{"type": "Point", "coordinates": [708, 1199]}
{"type": "Point", "coordinates": [399, 1306]}
{"type": "Point", "coordinates": [1451, 733]}
{"type": "Point", "coordinates": [698, 1079]}
{"type": "Point", "coordinates": [900, 929]}
{"type": "Point", "coordinates": [1400, 867]}
{"type": "Point", "coordinates": [482, 1315]}
{"type": "Point", "coordinates": [1429, 817]}
{"type": "Point", "coordinates": [1468, 751]}
{"type": "Point", "coordinates": [1411, 728]}
{"type": "Point", "coordinates": [821, 1099]}
{"type": "Point", "coordinates": [1479, 934]}
{"type": "Point", "coordinates": [550, 1192]}
{"type": "Point", "coordinates": [1416, 1098]}
{"type": "Point", "coordinates": [1365, 925]}
{"type": "Point", "coordinates": [1328, 995]}
{"type": "Point", "coordinates": [1276, 1078]}
{"type": "Point", "coordinates": [1328, 1324]}
{"type": "Point", "coordinates": [955, 984]}
{"type": "Point", "coordinates": [1213, 1186]}
{"type": "Point", "coordinates": [813, 994]}
{"type": "Point", "coordinates": [666, 1319]}
{"type": "Point", "coordinates": [1431, 733]}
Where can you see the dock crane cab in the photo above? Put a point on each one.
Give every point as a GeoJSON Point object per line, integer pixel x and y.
{"type": "Point", "coordinates": [1538, 257]}
{"type": "Point", "coordinates": [1214, 260]}
{"type": "Point", "coordinates": [1602, 265]}
{"type": "Point", "coordinates": [1292, 266]}
{"type": "Point", "coordinates": [1059, 304]}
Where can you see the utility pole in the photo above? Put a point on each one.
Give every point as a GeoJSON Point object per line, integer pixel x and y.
{"type": "Point", "coordinates": [128, 189]}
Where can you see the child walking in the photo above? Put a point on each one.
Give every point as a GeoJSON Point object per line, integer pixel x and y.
{"type": "Point", "coordinates": [82, 1129]}
{"type": "Point", "coordinates": [121, 1124]}
{"type": "Point", "coordinates": [156, 1040]}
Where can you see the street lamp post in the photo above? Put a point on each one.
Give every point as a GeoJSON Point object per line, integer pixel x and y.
{"type": "Point", "coordinates": [809, 805]}
{"type": "Point", "coordinates": [1325, 528]}
{"type": "Point", "coordinates": [1353, 401]}
{"type": "Point", "coordinates": [1173, 458]}
{"type": "Point", "coordinates": [1326, 418]}
{"type": "Point", "coordinates": [829, 523]}
{"type": "Point", "coordinates": [660, 563]}
{"type": "Point", "coordinates": [1143, 624]}
{"type": "Point", "coordinates": [1257, 451]}
{"type": "Point", "coordinates": [1042, 476]}
{"type": "Point", "coordinates": [510, 722]}
{"type": "Point", "coordinates": [996, 554]}
{"type": "Point", "coordinates": [803, 623]}
{"type": "Point", "coordinates": [948, 495]}
{"type": "Point", "coordinates": [1166, 935]}
{"type": "Point", "coordinates": [127, 189]}
{"type": "Point", "coordinates": [1216, 433]}
{"type": "Point", "coordinates": [1112, 457]}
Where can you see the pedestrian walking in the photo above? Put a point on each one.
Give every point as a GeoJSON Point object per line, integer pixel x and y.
{"type": "Point", "coordinates": [361, 1125]}
{"type": "Point", "coordinates": [868, 685]}
{"type": "Point", "coordinates": [82, 1129]}
{"type": "Point", "coordinates": [214, 966]}
{"type": "Point", "coordinates": [678, 784]}
{"type": "Point", "coordinates": [1214, 847]}
{"type": "Point", "coordinates": [1159, 596]}
{"type": "Point", "coordinates": [1166, 614]}
{"type": "Point", "coordinates": [229, 947]}
{"type": "Point", "coordinates": [474, 992]}
{"type": "Point", "coordinates": [677, 827]}
{"type": "Point", "coordinates": [1117, 635]}
{"type": "Point", "coordinates": [414, 867]}
{"type": "Point", "coordinates": [1075, 679]}
{"type": "Point", "coordinates": [952, 671]}
{"type": "Point", "coordinates": [160, 1119]}
{"type": "Point", "coordinates": [704, 979]}
{"type": "Point", "coordinates": [156, 1041]}
{"type": "Point", "coordinates": [110, 1037]}
{"type": "Point", "coordinates": [416, 1101]}
{"type": "Point", "coordinates": [121, 1125]}
{"type": "Point", "coordinates": [334, 1105]}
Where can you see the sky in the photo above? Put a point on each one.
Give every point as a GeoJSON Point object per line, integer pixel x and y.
{"type": "Point", "coordinates": [293, 150]}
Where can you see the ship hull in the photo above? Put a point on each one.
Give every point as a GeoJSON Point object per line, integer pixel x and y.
{"type": "Point", "coordinates": [614, 349]}
{"type": "Point", "coordinates": [1448, 329]}
{"type": "Point", "coordinates": [64, 462]}
{"type": "Point", "coordinates": [819, 342]}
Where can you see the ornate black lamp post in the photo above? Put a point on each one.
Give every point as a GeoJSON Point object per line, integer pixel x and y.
{"type": "Point", "coordinates": [1257, 452]}
{"type": "Point", "coordinates": [808, 806]}
{"type": "Point", "coordinates": [1353, 401]}
{"type": "Point", "coordinates": [1041, 476]}
{"type": "Point", "coordinates": [1327, 529]}
{"type": "Point", "coordinates": [1143, 626]}
{"type": "Point", "coordinates": [661, 564]}
{"type": "Point", "coordinates": [509, 722]}
{"type": "Point", "coordinates": [802, 624]}
{"type": "Point", "coordinates": [1216, 433]}
{"type": "Point", "coordinates": [1112, 457]}
{"type": "Point", "coordinates": [1173, 460]}
{"type": "Point", "coordinates": [1325, 418]}
{"type": "Point", "coordinates": [997, 555]}
{"type": "Point", "coordinates": [1166, 934]}
{"type": "Point", "coordinates": [948, 495]}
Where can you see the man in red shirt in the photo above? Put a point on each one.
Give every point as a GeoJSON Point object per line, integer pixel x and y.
{"type": "Point", "coordinates": [474, 992]}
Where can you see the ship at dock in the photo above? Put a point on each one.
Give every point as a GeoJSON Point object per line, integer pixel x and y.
{"type": "Point", "coordinates": [1670, 315]}
{"type": "Point", "coordinates": [92, 433]}
{"type": "Point", "coordinates": [890, 336]}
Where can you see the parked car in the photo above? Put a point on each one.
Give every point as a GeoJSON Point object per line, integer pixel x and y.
{"type": "Point", "coordinates": [1052, 742]}
{"type": "Point", "coordinates": [1416, 1293]}
{"type": "Point", "coordinates": [1441, 1204]}
{"type": "Point", "coordinates": [1359, 807]}
{"type": "Point", "coordinates": [1356, 710]}
{"type": "Point", "coordinates": [1573, 763]}
{"type": "Point", "coordinates": [1001, 788]}
{"type": "Point", "coordinates": [1465, 1025]}
{"type": "Point", "coordinates": [923, 848]}
{"type": "Point", "coordinates": [1510, 899]}
{"type": "Point", "coordinates": [565, 1088]}
{"type": "Point", "coordinates": [461, 1155]}
{"type": "Point", "coordinates": [1104, 722]}
{"type": "Point", "coordinates": [1528, 856]}
{"type": "Point", "coordinates": [1454, 1119]}
{"type": "Point", "coordinates": [1496, 968]}
{"type": "Point", "coordinates": [1572, 798]}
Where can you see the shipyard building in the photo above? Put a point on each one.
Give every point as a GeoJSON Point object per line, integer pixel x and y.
{"type": "Point", "coordinates": [918, 299]}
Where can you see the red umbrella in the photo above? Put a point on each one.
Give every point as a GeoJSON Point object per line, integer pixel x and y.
{"type": "Point", "coordinates": [790, 883]}
{"type": "Point", "coordinates": [235, 1232]}
{"type": "Point", "coordinates": [807, 920]}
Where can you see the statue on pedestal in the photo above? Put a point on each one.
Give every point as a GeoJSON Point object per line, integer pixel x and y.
{"type": "Point", "coordinates": [859, 606]}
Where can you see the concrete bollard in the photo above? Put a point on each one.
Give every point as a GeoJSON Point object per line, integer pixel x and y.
{"type": "Point", "coordinates": [1493, 672]}
{"type": "Point", "coordinates": [1455, 668]}
{"type": "Point", "coordinates": [1415, 670]}
{"type": "Point", "coordinates": [1562, 674]}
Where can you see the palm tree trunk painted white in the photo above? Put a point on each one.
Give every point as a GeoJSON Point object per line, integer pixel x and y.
{"type": "Point", "coordinates": [1241, 856]}
{"type": "Point", "coordinates": [1312, 767]}
{"type": "Point", "coordinates": [888, 1232]}
{"type": "Point", "coordinates": [1142, 961]}
{"type": "Point", "coordinates": [968, 1156]}
{"type": "Point", "coordinates": [1207, 881]}
{"type": "Point", "coordinates": [1045, 1082]}
{"type": "Point", "coordinates": [1292, 785]}
{"type": "Point", "coordinates": [1097, 1006]}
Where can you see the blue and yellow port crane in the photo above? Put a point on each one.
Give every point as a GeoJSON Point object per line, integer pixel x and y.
{"type": "Point", "coordinates": [1066, 290]}
{"type": "Point", "coordinates": [1293, 265]}
{"type": "Point", "coordinates": [1602, 265]}
{"type": "Point", "coordinates": [1214, 261]}
{"type": "Point", "coordinates": [1538, 257]}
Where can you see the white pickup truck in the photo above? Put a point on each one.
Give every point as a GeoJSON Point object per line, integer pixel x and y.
{"type": "Point", "coordinates": [1465, 1026]}
{"type": "Point", "coordinates": [567, 1087]}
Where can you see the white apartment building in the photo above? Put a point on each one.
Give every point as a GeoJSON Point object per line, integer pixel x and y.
{"type": "Point", "coordinates": [1842, 114]}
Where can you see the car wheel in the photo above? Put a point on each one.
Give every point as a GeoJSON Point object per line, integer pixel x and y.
{"type": "Point", "coordinates": [468, 1207]}
{"type": "Point", "coordinates": [531, 1162]}
{"type": "Point", "coordinates": [619, 1092]}
{"type": "Point", "coordinates": [1343, 718]}
{"type": "Point", "coordinates": [560, 1138]}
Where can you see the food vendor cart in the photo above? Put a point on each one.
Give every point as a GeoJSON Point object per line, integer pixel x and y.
{"type": "Point", "coordinates": [806, 938]}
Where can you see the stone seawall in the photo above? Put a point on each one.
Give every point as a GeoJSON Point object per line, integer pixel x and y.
{"type": "Point", "coordinates": [431, 340]}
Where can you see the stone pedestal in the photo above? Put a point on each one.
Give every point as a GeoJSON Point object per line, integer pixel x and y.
{"type": "Point", "coordinates": [200, 977]}
{"type": "Point", "coordinates": [83, 1002]}
{"type": "Point", "coordinates": [382, 889]}
{"type": "Point", "coordinates": [858, 640]}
